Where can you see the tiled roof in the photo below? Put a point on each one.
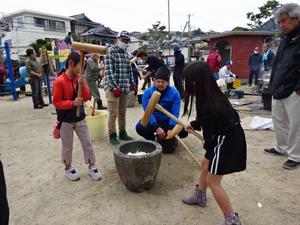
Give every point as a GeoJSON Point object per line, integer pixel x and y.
{"type": "Point", "coordinates": [101, 30]}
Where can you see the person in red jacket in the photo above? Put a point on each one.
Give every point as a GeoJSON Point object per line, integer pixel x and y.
{"type": "Point", "coordinates": [214, 61]}
{"type": "Point", "coordinates": [66, 101]}
{"type": "Point", "coordinates": [2, 77]}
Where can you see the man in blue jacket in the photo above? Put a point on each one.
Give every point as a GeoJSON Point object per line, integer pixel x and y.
{"type": "Point", "coordinates": [254, 63]}
{"type": "Point", "coordinates": [159, 124]}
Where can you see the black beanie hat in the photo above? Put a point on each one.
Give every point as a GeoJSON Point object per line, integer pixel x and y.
{"type": "Point", "coordinates": [163, 73]}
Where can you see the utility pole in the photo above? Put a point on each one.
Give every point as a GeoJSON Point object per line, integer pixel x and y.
{"type": "Point", "coordinates": [189, 37]}
{"type": "Point", "coordinates": [180, 40]}
{"type": "Point", "coordinates": [169, 35]}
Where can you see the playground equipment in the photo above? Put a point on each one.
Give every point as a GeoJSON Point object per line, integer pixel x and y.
{"type": "Point", "coordinates": [11, 73]}
{"type": "Point", "coordinates": [22, 81]}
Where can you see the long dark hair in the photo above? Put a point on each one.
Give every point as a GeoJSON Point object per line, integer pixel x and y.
{"type": "Point", "coordinates": [200, 83]}
{"type": "Point", "coordinates": [74, 57]}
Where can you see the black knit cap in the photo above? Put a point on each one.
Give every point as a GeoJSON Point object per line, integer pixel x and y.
{"type": "Point", "coordinates": [163, 73]}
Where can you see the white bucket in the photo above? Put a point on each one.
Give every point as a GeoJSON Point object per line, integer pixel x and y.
{"type": "Point", "coordinates": [97, 125]}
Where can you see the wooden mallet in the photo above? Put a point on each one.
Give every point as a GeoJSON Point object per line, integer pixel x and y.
{"type": "Point", "coordinates": [150, 108]}
{"type": "Point", "coordinates": [153, 104]}
{"type": "Point", "coordinates": [84, 48]}
{"type": "Point", "coordinates": [174, 133]}
{"type": "Point", "coordinates": [133, 62]}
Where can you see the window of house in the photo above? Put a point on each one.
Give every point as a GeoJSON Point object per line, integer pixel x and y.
{"type": "Point", "coordinates": [52, 24]}
{"type": "Point", "coordinates": [39, 22]}
{"type": "Point", "coordinates": [55, 25]}
{"type": "Point", "coordinates": [20, 22]}
{"type": "Point", "coordinates": [60, 26]}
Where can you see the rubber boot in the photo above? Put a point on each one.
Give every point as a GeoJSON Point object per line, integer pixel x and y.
{"type": "Point", "coordinates": [100, 105]}
{"type": "Point", "coordinates": [168, 145]}
{"type": "Point", "coordinates": [198, 198]}
{"type": "Point", "coordinates": [124, 136]}
{"type": "Point", "coordinates": [114, 139]}
{"type": "Point", "coordinates": [232, 219]}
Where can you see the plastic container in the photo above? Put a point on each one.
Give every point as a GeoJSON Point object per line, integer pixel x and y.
{"type": "Point", "coordinates": [236, 83]}
{"type": "Point", "coordinates": [97, 125]}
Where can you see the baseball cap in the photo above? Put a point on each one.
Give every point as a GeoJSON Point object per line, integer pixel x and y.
{"type": "Point", "coordinates": [124, 34]}
{"type": "Point", "coordinates": [229, 62]}
{"type": "Point", "coordinates": [177, 49]}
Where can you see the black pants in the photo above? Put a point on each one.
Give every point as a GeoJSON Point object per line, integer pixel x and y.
{"type": "Point", "coordinates": [4, 209]}
{"type": "Point", "coordinates": [230, 86]}
{"type": "Point", "coordinates": [256, 74]}
{"type": "Point", "coordinates": [178, 84]}
{"type": "Point", "coordinates": [149, 132]}
{"type": "Point", "coordinates": [36, 89]}
{"type": "Point", "coordinates": [168, 145]}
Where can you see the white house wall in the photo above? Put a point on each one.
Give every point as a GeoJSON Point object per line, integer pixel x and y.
{"type": "Point", "coordinates": [133, 46]}
{"type": "Point", "coordinates": [22, 37]}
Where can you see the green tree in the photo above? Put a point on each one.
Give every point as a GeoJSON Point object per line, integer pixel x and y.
{"type": "Point", "coordinates": [265, 12]}
{"type": "Point", "coordinates": [197, 32]}
{"type": "Point", "coordinates": [240, 29]}
{"type": "Point", "coordinates": [156, 37]}
{"type": "Point", "coordinates": [39, 44]}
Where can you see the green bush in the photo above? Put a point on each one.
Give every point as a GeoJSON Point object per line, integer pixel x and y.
{"type": "Point", "coordinates": [39, 44]}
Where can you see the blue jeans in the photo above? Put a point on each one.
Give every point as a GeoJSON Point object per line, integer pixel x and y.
{"type": "Point", "coordinates": [216, 75]}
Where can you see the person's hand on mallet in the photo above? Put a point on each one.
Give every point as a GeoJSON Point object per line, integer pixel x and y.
{"type": "Point", "coordinates": [189, 128]}
{"type": "Point", "coordinates": [161, 134]}
{"type": "Point", "coordinates": [79, 100]}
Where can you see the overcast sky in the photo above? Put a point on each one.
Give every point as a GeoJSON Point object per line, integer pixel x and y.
{"type": "Point", "coordinates": [138, 15]}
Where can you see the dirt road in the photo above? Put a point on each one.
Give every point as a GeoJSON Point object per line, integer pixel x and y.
{"type": "Point", "coordinates": [39, 194]}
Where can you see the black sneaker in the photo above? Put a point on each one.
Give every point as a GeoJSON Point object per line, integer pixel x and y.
{"type": "Point", "coordinates": [272, 151]}
{"type": "Point", "coordinates": [290, 165]}
{"type": "Point", "coordinates": [38, 107]}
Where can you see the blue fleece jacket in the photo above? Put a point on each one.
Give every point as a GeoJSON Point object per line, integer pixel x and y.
{"type": "Point", "coordinates": [169, 100]}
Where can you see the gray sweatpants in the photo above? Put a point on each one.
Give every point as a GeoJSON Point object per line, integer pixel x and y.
{"type": "Point", "coordinates": [286, 120]}
{"type": "Point", "coordinates": [92, 84]}
{"type": "Point", "coordinates": [67, 134]}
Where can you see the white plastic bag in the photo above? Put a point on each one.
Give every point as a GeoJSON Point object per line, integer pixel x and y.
{"type": "Point", "coordinates": [260, 123]}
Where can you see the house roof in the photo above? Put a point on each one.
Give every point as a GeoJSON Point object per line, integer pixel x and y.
{"type": "Point", "coordinates": [101, 30]}
{"type": "Point", "coordinates": [233, 33]}
{"type": "Point", "coordinates": [270, 25]}
{"type": "Point", "coordinates": [83, 19]}
{"type": "Point", "coordinates": [27, 11]}
{"type": "Point", "coordinates": [136, 34]}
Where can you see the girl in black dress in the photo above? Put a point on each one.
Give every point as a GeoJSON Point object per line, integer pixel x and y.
{"type": "Point", "coordinates": [224, 137]}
